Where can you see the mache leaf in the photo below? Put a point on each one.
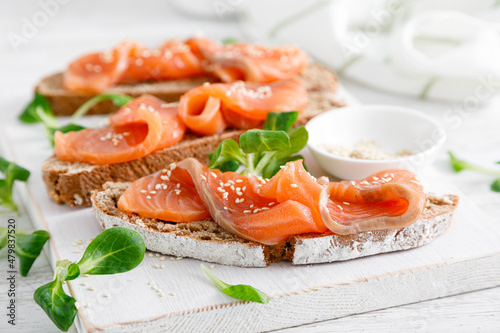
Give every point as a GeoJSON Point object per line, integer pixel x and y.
{"type": "Point", "coordinates": [240, 291]}
{"type": "Point", "coordinates": [28, 248]}
{"type": "Point", "coordinates": [114, 250]}
{"type": "Point", "coordinates": [258, 141]}
{"type": "Point", "coordinates": [495, 186]}
{"type": "Point", "coordinates": [274, 166]}
{"type": "Point", "coordinates": [227, 156]}
{"type": "Point", "coordinates": [58, 306]}
{"type": "Point", "coordinates": [30, 114]}
{"type": "Point", "coordinates": [280, 121]}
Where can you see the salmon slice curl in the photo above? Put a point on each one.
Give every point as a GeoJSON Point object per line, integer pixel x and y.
{"type": "Point", "coordinates": [209, 109]}
{"type": "Point", "coordinates": [132, 62]}
{"type": "Point", "coordinates": [168, 195]}
{"type": "Point", "coordinates": [291, 203]}
{"type": "Point", "coordinates": [140, 127]}
{"type": "Point", "coordinates": [250, 62]}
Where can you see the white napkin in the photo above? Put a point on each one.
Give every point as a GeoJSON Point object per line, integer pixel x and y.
{"type": "Point", "coordinates": [436, 49]}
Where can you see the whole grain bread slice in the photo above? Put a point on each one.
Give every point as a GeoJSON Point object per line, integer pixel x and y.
{"type": "Point", "coordinates": [207, 241]}
{"type": "Point", "coordinates": [72, 183]}
{"type": "Point", "coordinates": [65, 102]}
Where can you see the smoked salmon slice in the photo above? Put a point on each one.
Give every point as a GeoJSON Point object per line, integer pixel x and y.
{"type": "Point", "coordinates": [250, 62]}
{"type": "Point", "coordinates": [131, 62]}
{"type": "Point", "coordinates": [140, 127]}
{"type": "Point", "coordinates": [209, 109]}
{"type": "Point", "coordinates": [292, 202]}
{"type": "Point", "coordinates": [168, 195]}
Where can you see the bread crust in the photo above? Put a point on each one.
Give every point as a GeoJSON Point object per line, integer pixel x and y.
{"type": "Point", "coordinates": [205, 240]}
{"type": "Point", "coordinates": [72, 183]}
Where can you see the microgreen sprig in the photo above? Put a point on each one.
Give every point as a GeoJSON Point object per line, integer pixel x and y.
{"type": "Point", "coordinates": [26, 247]}
{"type": "Point", "coordinates": [113, 251]}
{"type": "Point", "coordinates": [459, 165]}
{"type": "Point", "coordinates": [240, 291]}
{"type": "Point", "coordinates": [11, 173]}
{"type": "Point", "coordinates": [262, 151]}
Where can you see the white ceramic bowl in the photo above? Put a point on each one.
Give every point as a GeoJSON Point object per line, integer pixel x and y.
{"type": "Point", "coordinates": [393, 127]}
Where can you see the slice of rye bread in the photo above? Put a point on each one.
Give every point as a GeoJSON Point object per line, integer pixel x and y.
{"type": "Point", "coordinates": [72, 183]}
{"type": "Point", "coordinates": [205, 240]}
{"type": "Point", "coordinates": [65, 102]}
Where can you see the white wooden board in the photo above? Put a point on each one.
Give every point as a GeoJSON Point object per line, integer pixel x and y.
{"type": "Point", "coordinates": [465, 258]}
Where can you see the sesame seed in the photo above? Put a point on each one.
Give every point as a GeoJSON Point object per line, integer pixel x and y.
{"type": "Point", "coordinates": [157, 266]}
{"type": "Point", "coordinates": [172, 293]}
{"type": "Point", "coordinates": [213, 174]}
{"type": "Point", "coordinates": [242, 199]}
{"type": "Point", "coordinates": [172, 166]}
{"type": "Point", "coordinates": [225, 195]}
{"type": "Point", "coordinates": [163, 258]}
{"type": "Point", "coordinates": [162, 266]}
{"type": "Point", "coordinates": [340, 207]}
{"type": "Point", "coordinates": [77, 305]}
{"type": "Point", "coordinates": [239, 193]}
{"type": "Point", "coordinates": [169, 173]}
{"type": "Point", "coordinates": [206, 84]}
{"type": "Point", "coordinates": [230, 181]}
{"type": "Point", "coordinates": [151, 282]}
{"type": "Point", "coordinates": [179, 258]}
{"type": "Point", "coordinates": [271, 203]}
{"type": "Point", "coordinates": [83, 284]}
{"type": "Point", "coordinates": [148, 197]}
{"type": "Point", "coordinates": [220, 189]}
{"type": "Point", "coordinates": [244, 188]}
{"type": "Point", "coordinates": [144, 191]}
{"type": "Point", "coordinates": [227, 185]}
{"type": "Point", "coordinates": [392, 175]}
{"type": "Point", "coordinates": [256, 210]}
{"type": "Point", "coordinates": [91, 288]}
{"type": "Point", "coordinates": [178, 185]}
{"type": "Point", "coordinates": [158, 186]}
{"type": "Point", "coordinates": [106, 295]}
{"type": "Point", "coordinates": [375, 178]}
{"type": "Point", "coordinates": [157, 255]}
{"type": "Point", "coordinates": [154, 288]}
{"type": "Point", "coordinates": [353, 182]}
{"type": "Point", "coordinates": [164, 170]}
{"type": "Point", "coordinates": [152, 192]}
{"type": "Point", "coordinates": [239, 180]}
{"type": "Point", "coordinates": [247, 211]}
{"type": "Point", "coordinates": [293, 185]}
{"type": "Point", "coordinates": [172, 259]}
{"type": "Point", "coordinates": [88, 305]}
{"type": "Point", "coordinates": [164, 177]}
{"type": "Point", "coordinates": [364, 182]}
{"type": "Point", "coordinates": [150, 255]}
{"type": "Point", "coordinates": [204, 178]}
{"type": "Point", "coordinates": [177, 192]}
{"type": "Point", "coordinates": [86, 275]}
{"type": "Point", "coordinates": [225, 208]}
{"type": "Point", "coordinates": [212, 266]}
{"type": "Point", "coordinates": [346, 203]}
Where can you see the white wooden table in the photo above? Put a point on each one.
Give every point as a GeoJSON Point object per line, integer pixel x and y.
{"type": "Point", "coordinates": [79, 26]}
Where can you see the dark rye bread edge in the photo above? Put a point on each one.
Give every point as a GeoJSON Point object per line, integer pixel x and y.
{"type": "Point", "coordinates": [72, 183]}
{"type": "Point", "coordinates": [205, 240]}
{"type": "Point", "coordinates": [65, 102]}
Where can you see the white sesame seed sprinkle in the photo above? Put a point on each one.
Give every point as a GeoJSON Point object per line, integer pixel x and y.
{"type": "Point", "coordinates": [293, 185]}
{"type": "Point", "coordinates": [239, 180]}
{"type": "Point", "coordinates": [213, 174]}
{"type": "Point", "coordinates": [346, 203]}
{"type": "Point", "coordinates": [148, 197]}
{"type": "Point", "coordinates": [340, 207]}
{"type": "Point", "coordinates": [247, 211]}
{"type": "Point", "coordinates": [144, 191]}
{"type": "Point", "coordinates": [91, 288]}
